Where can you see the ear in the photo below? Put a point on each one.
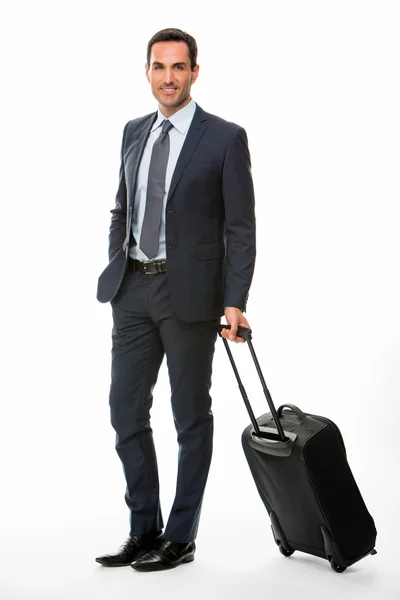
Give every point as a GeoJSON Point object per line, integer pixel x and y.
{"type": "Point", "coordinates": [146, 66]}
{"type": "Point", "coordinates": [195, 73]}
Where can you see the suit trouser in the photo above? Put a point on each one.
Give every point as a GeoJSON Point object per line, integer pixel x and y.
{"type": "Point", "coordinates": [145, 328]}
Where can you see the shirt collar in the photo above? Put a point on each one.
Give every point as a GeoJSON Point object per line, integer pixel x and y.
{"type": "Point", "coordinates": [180, 120]}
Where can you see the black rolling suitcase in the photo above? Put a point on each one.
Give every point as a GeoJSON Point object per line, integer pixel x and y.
{"type": "Point", "coordinates": [299, 465]}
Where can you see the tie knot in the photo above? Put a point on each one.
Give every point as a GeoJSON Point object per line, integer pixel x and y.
{"type": "Point", "coordinates": [167, 125]}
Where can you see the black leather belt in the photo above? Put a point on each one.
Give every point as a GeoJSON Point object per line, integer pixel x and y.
{"type": "Point", "coordinates": [149, 267]}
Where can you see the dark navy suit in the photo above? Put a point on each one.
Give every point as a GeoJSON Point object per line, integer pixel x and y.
{"type": "Point", "coordinates": [210, 244]}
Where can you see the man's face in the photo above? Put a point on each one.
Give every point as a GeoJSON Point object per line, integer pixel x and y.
{"type": "Point", "coordinates": [170, 75]}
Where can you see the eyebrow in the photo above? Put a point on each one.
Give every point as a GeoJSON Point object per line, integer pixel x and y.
{"type": "Point", "coordinates": [178, 64]}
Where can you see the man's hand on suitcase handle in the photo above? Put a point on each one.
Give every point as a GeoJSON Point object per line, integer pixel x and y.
{"type": "Point", "coordinates": [235, 319]}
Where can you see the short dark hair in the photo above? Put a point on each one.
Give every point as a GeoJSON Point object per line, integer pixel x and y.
{"type": "Point", "coordinates": [174, 35]}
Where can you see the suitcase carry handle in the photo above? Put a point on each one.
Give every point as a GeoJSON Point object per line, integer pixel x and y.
{"type": "Point", "coordinates": [245, 333]}
{"type": "Point", "coordinates": [294, 409]}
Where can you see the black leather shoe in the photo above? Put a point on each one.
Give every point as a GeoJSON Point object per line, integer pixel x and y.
{"type": "Point", "coordinates": [134, 547]}
{"type": "Point", "coordinates": [165, 555]}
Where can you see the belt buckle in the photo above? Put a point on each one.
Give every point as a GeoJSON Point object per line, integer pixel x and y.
{"type": "Point", "coordinates": [149, 262]}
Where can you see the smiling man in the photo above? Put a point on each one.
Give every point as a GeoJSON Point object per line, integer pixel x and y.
{"type": "Point", "coordinates": [181, 255]}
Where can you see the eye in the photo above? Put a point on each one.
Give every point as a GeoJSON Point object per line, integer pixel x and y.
{"type": "Point", "coordinates": [179, 67]}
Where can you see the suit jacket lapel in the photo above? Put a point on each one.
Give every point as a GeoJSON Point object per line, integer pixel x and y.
{"type": "Point", "coordinates": [135, 151]}
{"type": "Point", "coordinates": [194, 135]}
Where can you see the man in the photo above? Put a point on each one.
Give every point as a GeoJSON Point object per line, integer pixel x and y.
{"type": "Point", "coordinates": [182, 253]}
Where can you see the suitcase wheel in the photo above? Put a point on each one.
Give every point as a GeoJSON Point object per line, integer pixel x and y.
{"type": "Point", "coordinates": [279, 536]}
{"type": "Point", "coordinates": [283, 550]}
{"type": "Point", "coordinates": [337, 568]}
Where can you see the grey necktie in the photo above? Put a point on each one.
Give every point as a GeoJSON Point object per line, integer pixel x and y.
{"type": "Point", "coordinates": [149, 238]}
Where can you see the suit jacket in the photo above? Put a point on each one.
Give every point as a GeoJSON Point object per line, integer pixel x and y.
{"type": "Point", "coordinates": [210, 220]}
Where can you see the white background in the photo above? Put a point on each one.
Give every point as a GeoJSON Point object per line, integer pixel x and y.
{"type": "Point", "coordinates": [316, 85]}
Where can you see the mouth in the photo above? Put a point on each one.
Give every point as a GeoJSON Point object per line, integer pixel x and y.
{"type": "Point", "coordinates": [168, 90]}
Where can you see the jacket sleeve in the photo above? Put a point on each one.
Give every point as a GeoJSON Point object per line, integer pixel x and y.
{"type": "Point", "coordinates": [240, 225]}
{"type": "Point", "coordinates": [118, 220]}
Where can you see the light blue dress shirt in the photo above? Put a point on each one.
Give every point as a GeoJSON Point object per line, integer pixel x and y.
{"type": "Point", "coordinates": [181, 121]}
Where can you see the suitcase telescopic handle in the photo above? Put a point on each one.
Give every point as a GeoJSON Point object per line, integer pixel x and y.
{"type": "Point", "coordinates": [245, 333]}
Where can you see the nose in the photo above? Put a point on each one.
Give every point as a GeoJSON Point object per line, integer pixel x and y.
{"type": "Point", "coordinates": [168, 74]}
